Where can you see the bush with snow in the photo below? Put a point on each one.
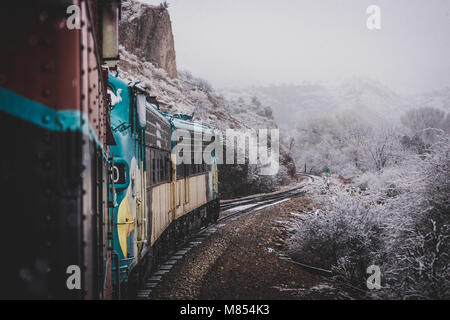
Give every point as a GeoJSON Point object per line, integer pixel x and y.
{"type": "Point", "coordinates": [420, 228]}
{"type": "Point", "coordinates": [400, 222]}
{"type": "Point", "coordinates": [344, 234]}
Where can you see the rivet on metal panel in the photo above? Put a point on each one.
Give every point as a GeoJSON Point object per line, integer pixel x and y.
{"type": "Point", "coordinates": [47, 138]}
{"type": "Point", "coordinates": [47, 42]}
{"type": "Point", "coordinates": [48, 67]}
{"type": "Point", "coordinates": [33, 40]}
{"type": "Point", "coordinates": [46, 93]}
{"type": "Point", "coordinates": [41, 265]}
{"type": "Point", "coordinates": [61, 119]}
{"type": "Point", "coordinates": [43, 16]}
{"type": "Point", "coordinates": [46, 119]}
{"type": "Point", "coordinates": [61, 24]}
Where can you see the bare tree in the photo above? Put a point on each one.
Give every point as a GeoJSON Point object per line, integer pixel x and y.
{"type": "Point", "coordinates": [382, 148]}
{"type": "Point", "coordinates": [423, 122]}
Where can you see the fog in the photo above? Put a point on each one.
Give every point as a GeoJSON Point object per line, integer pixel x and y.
{"type": "Point", "coordinates": [262, 42]}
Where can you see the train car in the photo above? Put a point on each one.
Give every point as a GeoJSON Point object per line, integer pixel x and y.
{"type": "Point", "coordinates": [201, 205]}
{"type": "Point", "coordinates": [158, 204]}
{"type": "Point", "coordinates": [129, 218]}
{"type": "Point", "coordinates": [54, 168]}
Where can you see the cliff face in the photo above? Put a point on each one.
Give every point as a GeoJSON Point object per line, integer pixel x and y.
{"type": "Point", "coordinates": [146, 31]}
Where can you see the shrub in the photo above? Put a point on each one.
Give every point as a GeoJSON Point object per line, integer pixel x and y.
{"type": "Point", "coordinates": [401, 223]}
{"type": "Point", "coordinates": [420, 228]}
{"type": "Point", "coordinates": [345, 234]}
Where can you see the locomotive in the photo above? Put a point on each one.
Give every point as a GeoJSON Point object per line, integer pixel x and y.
{"type": "Point", "coordinates": [93, 193]}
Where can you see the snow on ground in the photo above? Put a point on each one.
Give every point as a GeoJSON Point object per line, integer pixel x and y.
{"type": "Point", "coordinates": [272, 204]}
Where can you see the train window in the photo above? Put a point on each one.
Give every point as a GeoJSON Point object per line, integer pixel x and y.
{"type": "Point", "coordinates": [168, 167]}
{"type": "Point", "coordinates": [163, 168]}
{"type": "Point", "coordinates": [141, 110]}
{"type": "Point", "coordinates": [193, 165]}
{"type": "Point", "coordinates": [149, 168]}
{"type": "Point", "coordinates": [180, 171]}
{"type": "Point", "coordinates": [153, 164]}
{"type": "Point", "coordinates": [185, 169]}
{"type": "Point", "coordinates": [160, 166]}
{"type": "Point", "coordinates": [157, 168]}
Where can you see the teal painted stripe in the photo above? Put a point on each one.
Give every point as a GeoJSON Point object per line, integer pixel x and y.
{"type": "Point", "coordinates": [45, 117]}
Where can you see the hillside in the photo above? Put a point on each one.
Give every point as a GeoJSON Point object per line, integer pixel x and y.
{"type": "Point", "coordinates": [181, 92]}
{"type": "Point", "coordinates": [369, 99]}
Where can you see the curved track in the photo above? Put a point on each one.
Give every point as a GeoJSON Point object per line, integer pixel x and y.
{"type": "Point", "coordinates": [229, 210]}
{"type": "Point", "coordinates": [238, 207]}
{"type": "Point", "coordinates": [228, 204]}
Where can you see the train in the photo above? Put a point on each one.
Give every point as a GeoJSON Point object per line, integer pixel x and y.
{"type": "Point", "coordinates": [94, 195]}
{"type": "Point", "coordinates": [160, 201]}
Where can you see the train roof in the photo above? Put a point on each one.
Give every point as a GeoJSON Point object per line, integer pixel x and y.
{"type": "Point", "coordinates": [177, 121]}
{"type": "Point", "coordinates": [185, 122]}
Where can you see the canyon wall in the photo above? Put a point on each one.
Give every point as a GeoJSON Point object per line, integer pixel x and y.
{"type": "Point", "coordinates": [146, 31]}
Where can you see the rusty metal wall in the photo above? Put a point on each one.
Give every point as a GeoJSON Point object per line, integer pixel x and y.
{"type": "Point", "coordinates": [44, 61]}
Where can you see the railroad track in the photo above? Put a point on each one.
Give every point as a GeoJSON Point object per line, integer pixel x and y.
{"type": "Point", "coordinates": [239, 208]}
{"type": "Point", "coordinates": [265, 197]}
{"type": "Point", "coordinates": [229, 210]}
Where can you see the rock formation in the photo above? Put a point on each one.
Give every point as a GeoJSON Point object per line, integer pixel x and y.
{"type": "Point", "coordinates": [146, 31]}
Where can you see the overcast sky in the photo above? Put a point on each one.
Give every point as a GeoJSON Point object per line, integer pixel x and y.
{"type": "Point", "coordinates": [259, 42]}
